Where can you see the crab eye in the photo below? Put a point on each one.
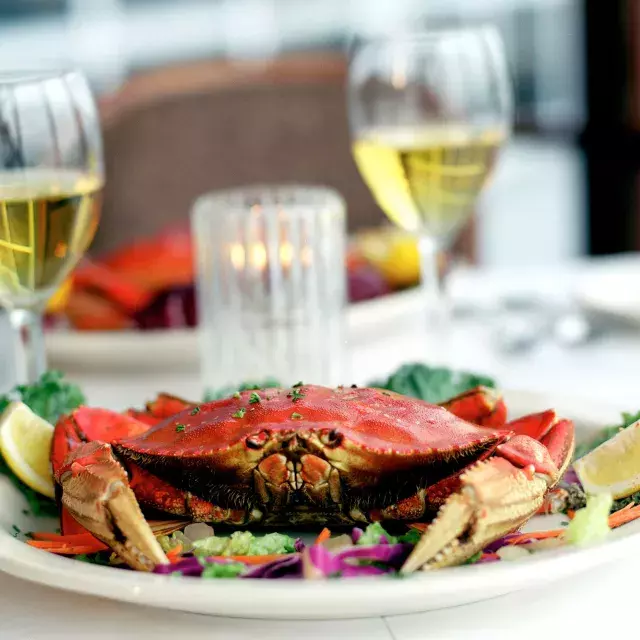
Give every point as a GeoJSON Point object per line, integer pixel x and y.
{"type": "Point", "coordinates": [330, 437]}
{"type": "Point", "coordinates": [258, 440]}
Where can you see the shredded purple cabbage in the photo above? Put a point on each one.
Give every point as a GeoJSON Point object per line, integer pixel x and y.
{"type": "Point", "coordinates": [189, 566]}
{"type": "Point", "coordinates": [571, 477]}
{"type": "Point", "coordinates": [355, 561]}
{"type": "Point", "coordinates": [299, 545]}
{"type": "Point", "coordinates": [289, 567]}
{"type": "Point", "coordinates": [356, 534]}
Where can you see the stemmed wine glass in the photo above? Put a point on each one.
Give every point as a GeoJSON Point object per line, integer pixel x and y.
{"type": "Point", "coordinates": [51, 177]}
{"type": "Point", "coordinates": [428, 113]}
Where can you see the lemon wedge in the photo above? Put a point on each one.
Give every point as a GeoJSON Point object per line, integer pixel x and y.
{"type": "Point", "coordinates": [25, 443]}
{"type": "Point", "coordinates": [614, 466]}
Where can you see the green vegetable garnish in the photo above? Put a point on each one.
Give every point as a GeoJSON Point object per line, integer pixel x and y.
{"type": "Point", "coordinates": [411, 537]}
{"type": "Point", "coordinates": [222, 569]}
{"type": "Point", "coordinates": [297, 384]}
{"type": "Point", "coordinates": [239, 413]}
{"type": "Point", "coordinates": [373, 533]}
{"type": "Point", "coordinates": [590, 524]}
{"type": "Point", "coordinates": [102, 558]}
{"type": "Point", "coordinates": [195, 411]}
{"type": "Point", "coordinates": [180, 427]}
{"type": "Point", "coordinates": [296, 395]}
{"type": "Point", "coordinates": [254, 398]}
{"type": "Point", "coordinates": [608, 432]}
{"type": "Point", "coordinates": [474, 558]}
{"type": "Point", "coordinates": [296, 416]}
{"type": "Point", "coordinates": [432, 384]}
{"type": "Point", "coordinates": [50, 397]}
{"type": "Point", "coordinates": [225, 392]}
{"type": "Point", "coordinates": [244, 543]}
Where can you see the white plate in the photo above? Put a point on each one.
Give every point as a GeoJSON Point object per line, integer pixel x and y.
{"type": "Point", "coordinates": [178, 348]}
{"type": "Point", "coordinates": [349, 598]}
{"type": "Point", "coordinates": [614, 290]}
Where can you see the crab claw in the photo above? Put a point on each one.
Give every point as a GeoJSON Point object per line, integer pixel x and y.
{"type": "Point", "coordinates": [495, 498]}
{"type": "Point", "coordinates": [95, 491]}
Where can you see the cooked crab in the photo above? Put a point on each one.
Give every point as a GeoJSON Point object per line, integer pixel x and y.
{"type": "Point", "coordinates": [306, 455]}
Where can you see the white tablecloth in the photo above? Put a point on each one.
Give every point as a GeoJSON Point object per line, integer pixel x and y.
{"type": "Point", "coordinates": [602, 601]}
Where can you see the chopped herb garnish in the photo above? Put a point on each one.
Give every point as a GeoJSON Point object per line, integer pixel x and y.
{"type": "Point", "coordinates": [16, 530]}
{"type": "Point", "coordinates": [26, 512]}
{"type": "Point", "coordinates": [236, 395]}
{"type": "Point", "coordinates": [297, 384]}
{"type": "Point", "coordinates": [180, 427]}
{"type": "Point", "coordinates": [254, 398]}
{"type": "Point", "coordinates": [296, 395]}
{"type": "Point", "coordinates": [296, 416]}
{"type": "Point", "coordinates": [195, 411]}
{"type": "Point", "coordinates": [239, 413]}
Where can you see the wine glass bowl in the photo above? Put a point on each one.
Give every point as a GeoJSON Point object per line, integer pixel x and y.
{"type": "Point", "coordinates": [51, 177]}
{"type": "Point", "coordinates": [428, 113]}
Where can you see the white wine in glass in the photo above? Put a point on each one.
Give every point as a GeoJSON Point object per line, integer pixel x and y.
{"type": "Point", "coordinates": [428, 115]}
{"type": "Point", "coordinates": [427, 179]}
{"type": "Point", "coordinates": [51, 178]}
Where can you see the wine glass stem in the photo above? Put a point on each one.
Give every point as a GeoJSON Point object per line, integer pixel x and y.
{"type": "Point", "coordinates": [30, 360]}
{"type": "Point", "coordinates": [434, 298]}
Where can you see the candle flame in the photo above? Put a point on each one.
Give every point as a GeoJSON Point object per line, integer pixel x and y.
{"type": "Point", "coordinates": [259, 256]}
{"type": "Point", "coordinates": [236, 253]}
{"type": "Point", "coordinates": [286, 255]}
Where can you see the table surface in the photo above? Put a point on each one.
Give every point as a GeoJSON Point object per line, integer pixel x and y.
{"type": "Point", "coordinates": [601, 601]}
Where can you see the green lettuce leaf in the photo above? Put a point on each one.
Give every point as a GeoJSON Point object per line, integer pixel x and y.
{"type": "Point", "coordinates": [590, 524]}
{"type": "Point", "coordinates": [373, 533]}
{"type": "Point", "coordinates": [608, 432]}
{"type": "Point", "coordinates": [222, 569]}
{"type": "Point", "coordinates": [244, 543]}
{"type": "Point", "coordinates": [432, 384]}
{"type": "Point", "coordinates": [50, 397]}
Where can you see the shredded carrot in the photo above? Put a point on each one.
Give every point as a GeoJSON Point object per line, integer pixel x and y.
{"type": "Point", "coordinates": [323, 536]}
{"type": "Point", "coordinates": [419, 526]}
{"type": "Point", "coordinates": [75, 538]}
{"type": "Point", "coordinates": [570, 514]}
{"type": "Point", "coordinates": [252, 559]}
{"type": "Point", "coordinates": [490, 556]}
{"type": "Point", "coordinates": [67, 549]}
{"type": "Point", "coordinates": [175, 554]}
{"type": "Point", "coordinates": [624, 515]}
{"type": "Point", "coordinates": [536, 535]}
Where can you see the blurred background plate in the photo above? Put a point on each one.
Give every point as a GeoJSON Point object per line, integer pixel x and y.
{"type": "Point", "coordinates": [178, 348]}
{"type": "Point", "coordinates": [613, 291]}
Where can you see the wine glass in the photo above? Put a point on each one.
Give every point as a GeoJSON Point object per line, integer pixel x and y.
{"type": "Point", "coordinates": [51, 177]}
{"type": "Point", "coordinates": [428, 113]}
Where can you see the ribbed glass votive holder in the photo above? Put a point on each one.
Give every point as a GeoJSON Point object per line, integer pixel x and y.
{"type": "Point", "coordinates": [271, 285]}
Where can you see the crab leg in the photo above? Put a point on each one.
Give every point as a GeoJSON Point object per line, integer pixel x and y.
{"type": "Point", "coordinates": [482, 406]}
{"type": "Point", "coordinates": [495, 496]}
